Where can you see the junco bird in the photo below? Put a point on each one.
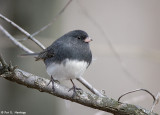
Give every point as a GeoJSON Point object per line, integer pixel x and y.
{"type": "Point", "coordinates": [67, 58]}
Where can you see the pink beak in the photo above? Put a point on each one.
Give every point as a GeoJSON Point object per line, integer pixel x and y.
{"type": "Point", "coordinates": [88, 39]}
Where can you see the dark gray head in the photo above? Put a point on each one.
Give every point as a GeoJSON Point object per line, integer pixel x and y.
{"type": "Point", "coordinates": [79, 35]}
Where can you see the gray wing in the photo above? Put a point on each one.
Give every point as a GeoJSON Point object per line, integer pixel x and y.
{"type": "Point", "coordinates": [47, 53]}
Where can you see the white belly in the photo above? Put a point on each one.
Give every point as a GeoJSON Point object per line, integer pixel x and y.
{"type": "Point", "coordinates": [68, 70]}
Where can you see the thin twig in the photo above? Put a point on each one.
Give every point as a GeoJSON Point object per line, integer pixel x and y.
{"type": "Point", "coordinates": [156, 101]}
{"type": "Point", "coordinates": [89, 86]}
{"type": "Point", "coordinates": [98, 26]}
{"type": "Point", "coordinates": [136, 91]}
{"type": "Point", "coordinates": [15, 41]}
{"type": "Point", "coordinates": [54, 19]}
{"type": "Point", "coordinates": [23, 31]}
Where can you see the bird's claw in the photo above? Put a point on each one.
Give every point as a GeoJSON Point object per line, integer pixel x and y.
{"type": "Point", "coordinates": [75, 89]}
{"type": "Point", "coordinates": [53, 82]}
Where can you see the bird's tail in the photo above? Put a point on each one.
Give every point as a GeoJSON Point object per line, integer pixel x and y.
{"type": "Point", "coordinates": [35, 55]}
{"type": "Point", "coordinates": [29, 54]}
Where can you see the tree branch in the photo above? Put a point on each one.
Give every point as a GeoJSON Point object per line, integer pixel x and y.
{"type": "Point", "coordinates": [97, 102]}
{"type": "Point", "coordinates": [23, 31]}
{"type": "Point", "coordinates": [15, 41]}
{"type": "Point", "coordinates": [88, 86]}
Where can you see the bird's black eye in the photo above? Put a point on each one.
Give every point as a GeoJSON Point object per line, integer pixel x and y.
{"type": "Point", "coordinates": [79, 38]}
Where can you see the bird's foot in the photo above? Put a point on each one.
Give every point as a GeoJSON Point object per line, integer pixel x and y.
{"type": "Point", "coordinates": [75, 89]}
{"type": "Point", "coordinates": [53, 82]}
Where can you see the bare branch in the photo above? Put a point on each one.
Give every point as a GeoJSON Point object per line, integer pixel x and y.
{"type": "Point", "coordinates": [84, 98]}
{"type": "Point", "coordinates": [154, 99]}
{"type": "Point", "coordinates": [89, 86]}
{"type": "Point", "coordinates": [23, 31]}
{"type": "Point", "coordinates": [15, 41]}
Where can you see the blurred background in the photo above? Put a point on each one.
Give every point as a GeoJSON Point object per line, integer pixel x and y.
{"type": "Point", "coordinates": [126, 51]}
